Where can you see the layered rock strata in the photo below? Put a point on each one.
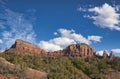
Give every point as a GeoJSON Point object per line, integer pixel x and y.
{"type": "Point", "coordinates": [76, 50]}
{"type": "Point", "coordinates": [25, 48]}
{"type": "Point", "coordinates": [79, 50]}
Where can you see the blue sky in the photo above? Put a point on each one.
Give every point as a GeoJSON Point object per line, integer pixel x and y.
{"type": "Point", "coordinates": [55, 24]}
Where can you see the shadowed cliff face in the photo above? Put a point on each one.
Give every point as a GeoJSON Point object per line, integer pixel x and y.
{"type": "Point", "coordinates": [75, 50]}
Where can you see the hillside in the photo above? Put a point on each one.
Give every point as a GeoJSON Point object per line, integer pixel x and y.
{"type": "Point", "coordinates": [62, 67]}
{"type": "Point", "coordinates": [16, 71]}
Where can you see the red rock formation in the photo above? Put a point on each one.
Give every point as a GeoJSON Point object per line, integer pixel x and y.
{"type": "Point", "coordinates": [105, 54]}
{"type": "Point", "coordinates": [79, 50]}
{"type": "Point", "coordinates": [25, 48]}
{"type": "Point", "coordinates": [75, 50]}
{"type": "Point", "coordinates": [111, 56]}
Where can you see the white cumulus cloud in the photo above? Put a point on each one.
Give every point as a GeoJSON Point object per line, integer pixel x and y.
{"type": "Point", "coordinates": [116, 50]}
{"type": "Point", "coordinates": [67, 37]}
{"type": "Point", "coordinates": [106, 16]}
{"type": "Point", "coordinates": [62, 41]}
{"type": "Point", "coordinates": [49, 46]}
{"type": "Point", "coordinates": [72, 35]}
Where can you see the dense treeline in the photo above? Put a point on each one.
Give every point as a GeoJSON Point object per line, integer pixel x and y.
{"type": "Point", "coordinates": [62, 67]}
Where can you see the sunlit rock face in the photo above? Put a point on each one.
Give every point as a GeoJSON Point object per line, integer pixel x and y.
{"type": "Point", "coordinates": [76, 50]}
{"type": "Point", "coordinates": [79, 50]}
{"type": "Point", "coordinates": [25, 48]}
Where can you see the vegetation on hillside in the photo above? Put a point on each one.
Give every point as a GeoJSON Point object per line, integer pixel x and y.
{"type": "Point", "coordinates": [62, 67]}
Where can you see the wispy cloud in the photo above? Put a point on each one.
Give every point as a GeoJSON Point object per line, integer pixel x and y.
{"type": "Point", "coordinates": [94, 38]}
{"type": "Point", "coordinates": [1, 41]}
{"type": "Point", "coordinates": [3, 2]}
{"type": "Point", "coordinates": [67, 37]}
{"type": "Point", "coordinates": [2, 25]}
{"type": "Point", "coordinates": [106, 16]}
{"type": "Point", "coordinates": [82, 9]}
{"type": "Point", "coordinates": [15, 25]}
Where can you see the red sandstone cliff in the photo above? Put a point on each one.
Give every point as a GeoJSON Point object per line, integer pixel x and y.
{"type": "Point", "coordinates": [25, 48]}
{"type": "Point", "coordinates": [79, 50]}
{"type": "Point", "coordinates": [75, 50]}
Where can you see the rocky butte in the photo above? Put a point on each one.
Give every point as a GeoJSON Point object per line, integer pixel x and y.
{"type": "Point", "coordinates": [76, 50]}
{"type": "Point", "coordinates": [79, 50]}
{"type": "Point", "coordinates": [25, 48]}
